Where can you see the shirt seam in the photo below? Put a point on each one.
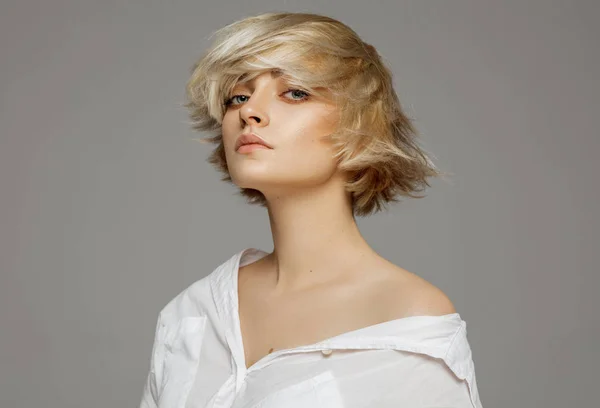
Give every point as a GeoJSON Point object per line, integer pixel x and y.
{"type": "Point", "coordinates": [453, 340]}
{"type": "Point", "coordinates": [468, 376]}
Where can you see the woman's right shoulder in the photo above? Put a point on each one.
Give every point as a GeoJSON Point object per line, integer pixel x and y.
{"type": "Point", "coordinates": [189, 302]}
{"type": "Point", "coordinates": [198, 298]}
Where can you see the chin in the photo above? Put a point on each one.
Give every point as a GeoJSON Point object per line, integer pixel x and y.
{"type": "Point", "coordinates": [247, 181]}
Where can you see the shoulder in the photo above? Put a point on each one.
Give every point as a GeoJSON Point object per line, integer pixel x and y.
{"type": "Point", "coordinates": [427, 299]}
{"type": "Point", "coordinates": [431, 300]}
{"type": "Point", "coordinates": [198, 298]}
{"type": "Point", "coordinates": [408, 294]}
{"type": "Point", "coordinates": [192, 301]}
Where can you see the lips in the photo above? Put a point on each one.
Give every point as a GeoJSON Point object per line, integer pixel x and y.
{"type": "Point", "coordinates": [250, 138]}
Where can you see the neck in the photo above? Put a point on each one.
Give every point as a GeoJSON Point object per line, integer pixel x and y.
{"type": "Point", "coordinates": [315, 237]}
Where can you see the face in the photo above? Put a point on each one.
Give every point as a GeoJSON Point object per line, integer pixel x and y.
{"type": "Point", "coordinates": [292, 123]}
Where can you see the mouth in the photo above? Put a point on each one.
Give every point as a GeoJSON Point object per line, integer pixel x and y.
{"type": "Point", "coordinates": [247, 148]}
{"type": "Point", "coordinates": [250, 142]}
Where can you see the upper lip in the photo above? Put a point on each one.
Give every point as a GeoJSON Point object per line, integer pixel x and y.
{"type": "Point", "coordinates": [250, 138]}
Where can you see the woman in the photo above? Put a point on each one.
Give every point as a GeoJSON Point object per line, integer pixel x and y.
{"type": "Point", "coordinates": [307, 124]}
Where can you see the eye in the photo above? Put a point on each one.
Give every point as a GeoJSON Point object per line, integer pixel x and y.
{"type": "Point", "coordinates": [298, 92]}
{"type": "Point", "coordinates": [230, 101]}
{"type": "Point", "coordinates": [298, 95]}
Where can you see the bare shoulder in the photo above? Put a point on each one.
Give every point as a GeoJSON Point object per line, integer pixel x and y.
{"type": "Point", "coordinates": [408, 294]}
{"type": "Point", "coordinates": [428, 299]}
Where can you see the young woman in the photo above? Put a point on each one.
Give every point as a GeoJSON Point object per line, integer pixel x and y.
{"type": "Point", "coordinates": [307, 124]}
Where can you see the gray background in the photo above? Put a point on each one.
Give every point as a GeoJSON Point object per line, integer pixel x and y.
{"type": "Point", "coordinates": [108, 209]}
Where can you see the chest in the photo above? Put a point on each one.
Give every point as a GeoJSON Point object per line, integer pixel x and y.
{"type": "Point", "coordinates": [265, 329]}
{"type": "Point", "coordinates": [270, 324]}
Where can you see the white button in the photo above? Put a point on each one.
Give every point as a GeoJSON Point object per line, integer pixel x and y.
{"type": "Point", "coordinates": [326, 352]}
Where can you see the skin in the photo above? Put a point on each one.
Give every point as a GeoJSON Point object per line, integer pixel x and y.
{"type": "Point", "coordinates": [322, 278]}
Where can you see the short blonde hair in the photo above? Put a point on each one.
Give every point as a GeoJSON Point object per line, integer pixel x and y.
{"type": "Point", "coordinates": [375, 140]}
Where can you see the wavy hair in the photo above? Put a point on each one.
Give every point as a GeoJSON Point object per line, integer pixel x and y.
{"type": "Point", "coordinates": [375, 142]}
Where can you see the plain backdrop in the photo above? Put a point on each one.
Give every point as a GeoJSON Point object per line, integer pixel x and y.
{"type": "Point", "coordinates": [108, 208]}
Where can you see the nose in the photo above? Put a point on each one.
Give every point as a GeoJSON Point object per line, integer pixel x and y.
{"type": "Point", "coordinates": [254, 111]}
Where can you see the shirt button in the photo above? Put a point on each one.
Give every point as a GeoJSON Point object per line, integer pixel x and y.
{"type": "Point", "coordinates": [326, 352]}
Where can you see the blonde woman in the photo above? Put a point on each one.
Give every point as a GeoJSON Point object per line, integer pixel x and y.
{"type": "Point", "coordinates": [306, 123]}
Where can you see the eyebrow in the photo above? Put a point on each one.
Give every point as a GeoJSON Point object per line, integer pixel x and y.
{"type": "Point", "coordinates": [275, 73]}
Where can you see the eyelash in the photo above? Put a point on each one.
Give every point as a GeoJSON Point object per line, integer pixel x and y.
{"type": "Point", "coordinates": [229, 101]}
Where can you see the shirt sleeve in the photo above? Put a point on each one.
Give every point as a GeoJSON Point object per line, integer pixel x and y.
{"type": "Point", "coordinates": [434, 385]}
{"type": "Point", "coordinates": [150, 390]}
{"type": "Point", "coordinates": [422, 381]}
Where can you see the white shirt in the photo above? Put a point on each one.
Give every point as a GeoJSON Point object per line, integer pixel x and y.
{"type": "Point", "coordinates": [198, 359]}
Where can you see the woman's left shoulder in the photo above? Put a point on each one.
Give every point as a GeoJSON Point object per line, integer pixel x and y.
{"type": "Point", "coordinates": [428, 299]}
{"type": "Point", "coordinates": [412, 295]}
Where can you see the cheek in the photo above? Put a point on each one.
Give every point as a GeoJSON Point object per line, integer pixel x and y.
{"type": "Point", "coordinates": [229, 129]}
{"type": "Point", "coordinates": [308, 128]}
{"type": "Point", "coordinates": [301, 156]}
{"type": "Point", "coordinates": [309, 153]}
{"type": "Point", "coordinates": [303, 143]}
